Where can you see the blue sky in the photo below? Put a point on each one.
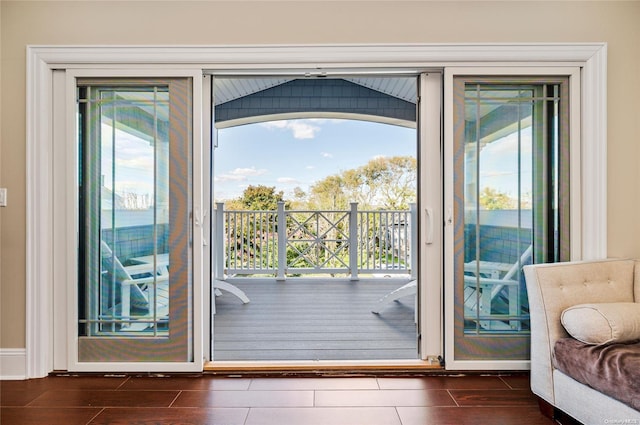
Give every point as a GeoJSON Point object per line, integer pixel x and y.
{"type": "Point", "coordinates": [499, 163]}
{"type": "Point", "coordinates": [297, 153]}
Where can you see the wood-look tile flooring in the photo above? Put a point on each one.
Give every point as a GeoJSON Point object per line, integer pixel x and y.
{"type": "Point", "coordinates": [205, 399]}
{"type": "Point", "coordinates": [314, 319]}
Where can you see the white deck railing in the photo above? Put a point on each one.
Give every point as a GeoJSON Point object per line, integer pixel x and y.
{"type": "Point", "coordinates": [299, 242]}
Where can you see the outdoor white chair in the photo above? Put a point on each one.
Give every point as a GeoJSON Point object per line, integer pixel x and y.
{"type": "Point", "coordinates": [232, 289]}
{"type": "Point", "coordinates": [410, 288]}
{"type": "Point", "coordinates": [138, 290]}
{"type": "Point", "coordinates": [491, 282]}
{"type": "Point", "coordinates": [493, 278]}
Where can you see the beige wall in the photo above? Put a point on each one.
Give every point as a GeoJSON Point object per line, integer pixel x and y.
{"type": "Point", "coordinates": [299, 22]}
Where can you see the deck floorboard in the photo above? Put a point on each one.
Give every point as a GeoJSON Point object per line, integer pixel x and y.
{"type": "Point", "coordinates": [314, 319]}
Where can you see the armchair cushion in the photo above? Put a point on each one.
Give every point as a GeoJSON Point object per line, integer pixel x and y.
{"type": "Point", "coordinates": [603, 323]}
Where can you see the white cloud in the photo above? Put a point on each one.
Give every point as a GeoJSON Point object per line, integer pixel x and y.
{"type": "Point", "coordinates": [301, 129]}
{"type": "Point", "coordinates": [252, 171]}
{"type": "Point", "coordinates": [130, 151]}
{"type": "Point", "coordinates": [240, 174]}
{"type": "Point", "coordinates": [326, 155]}
{"type": "Point", "coordinates": [229, 178]}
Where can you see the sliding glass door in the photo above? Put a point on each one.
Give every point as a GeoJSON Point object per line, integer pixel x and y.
{"type": "Point", "coordinates": [510, 206]}
{"type": "Point", "coordinates": [135, 272]}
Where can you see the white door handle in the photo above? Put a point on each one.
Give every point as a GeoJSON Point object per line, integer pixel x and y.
{"type": "Point", "coordinates": [428, 239]}
{"type": "Point", "coordinates": [196, 218]}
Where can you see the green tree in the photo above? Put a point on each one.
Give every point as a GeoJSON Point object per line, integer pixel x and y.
{"type": "Point", "coordinates": [395, 180]}
{"type": "Point", "coordinates": [298, 193]}
{"type": "Point", "coordinates": [492, 199]}
{"type": "Point", "coordinates": [260, 197]}
{"type": "Point", "coordinates": [388, 183]}
{"type": "Point", "coordinates": [329, 194]}
{"type": "Point", "coordinates": [299, 200]}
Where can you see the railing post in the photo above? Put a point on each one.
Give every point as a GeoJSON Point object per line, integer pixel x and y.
{"type": "Point", "coordinates": [413, 220]}
{"type": "Point", "coordinates": [218, 266]}
{"type": "Point", "coordinates": [353, 241]}
{"type": "Point", "coordinates": [282, 242]}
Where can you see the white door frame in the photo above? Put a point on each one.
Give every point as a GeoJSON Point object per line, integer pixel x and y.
{"type": "Point", "coordinates": [65, 223]}
{"type": "Point", "coordinates": [41, 167]}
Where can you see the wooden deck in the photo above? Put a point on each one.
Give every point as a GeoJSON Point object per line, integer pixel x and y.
{"type": "Point", "coordinates": [314, 319]}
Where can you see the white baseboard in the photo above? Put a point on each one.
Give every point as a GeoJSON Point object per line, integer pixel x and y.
{"type": "Point", "coordinates": [13, 363]}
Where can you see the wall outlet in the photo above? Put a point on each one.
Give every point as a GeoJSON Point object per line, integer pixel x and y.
{"type": "Point", "coordinates": [3, 196]}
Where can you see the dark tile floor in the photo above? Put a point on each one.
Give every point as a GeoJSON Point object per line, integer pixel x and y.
{"type": "Point", "coordinates": [205, 399]}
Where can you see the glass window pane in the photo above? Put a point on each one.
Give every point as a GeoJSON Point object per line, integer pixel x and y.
{"type": "Point", "coordinates": [127, 211]}
{"type": "Point", "coordinates": [135, 273]}
{"type": "Point", "coordinates": [512, 181]}
{"type": "Point", "coordinates": [498, 186]}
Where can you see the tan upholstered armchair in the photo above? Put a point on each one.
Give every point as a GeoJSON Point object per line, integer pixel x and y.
{"type": "Point", "coordinates": [553, 288]}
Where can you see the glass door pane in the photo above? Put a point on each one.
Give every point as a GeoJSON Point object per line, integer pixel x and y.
{"type": "Point", "coordinates": [135, 279]}
{"type": "Point", "coordinates": [510, 157]}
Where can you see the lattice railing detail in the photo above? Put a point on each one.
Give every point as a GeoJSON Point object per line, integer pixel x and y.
{"type": "Point", "coordinates": [297, 242]}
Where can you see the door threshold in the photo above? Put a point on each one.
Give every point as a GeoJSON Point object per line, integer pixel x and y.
{"type": "Point", "coordinates": [324, 366]}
